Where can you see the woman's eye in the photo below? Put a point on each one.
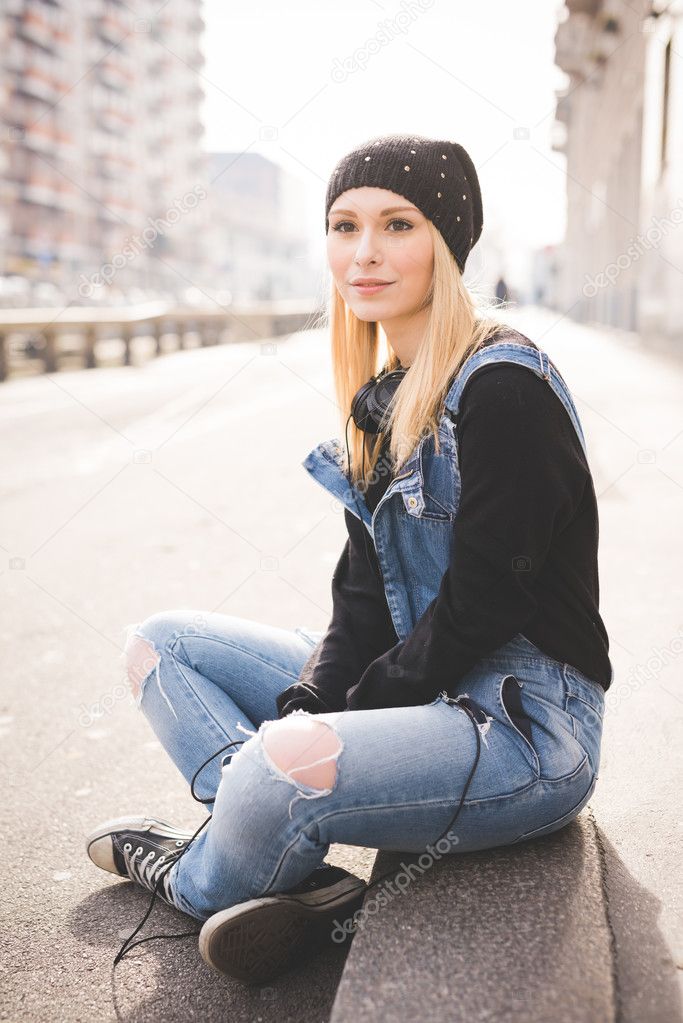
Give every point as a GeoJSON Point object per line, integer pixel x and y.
{"type": "Point", "coordinates": [347, 223]}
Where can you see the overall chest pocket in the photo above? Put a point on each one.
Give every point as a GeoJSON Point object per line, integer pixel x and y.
{"type": "Point", "coordinates": [441, 483]}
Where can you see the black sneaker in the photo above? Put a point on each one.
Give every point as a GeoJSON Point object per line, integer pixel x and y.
{"type": "Point", "coordinates": [257, 940]}
{"type": "Point", "coordinates": [140, 848]}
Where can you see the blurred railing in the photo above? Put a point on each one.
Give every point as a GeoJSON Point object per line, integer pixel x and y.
{"type": "Point", "coordinates": [49, 334]}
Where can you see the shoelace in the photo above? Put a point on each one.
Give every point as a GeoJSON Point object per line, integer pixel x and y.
{"type": "Point", "coordinates": [172, 858]}
{"type": "Point", "coordinates": [144, 870]}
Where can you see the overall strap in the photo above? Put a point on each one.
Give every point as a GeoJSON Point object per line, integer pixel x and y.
{"type": "Point", "coordinates": [521, 355]}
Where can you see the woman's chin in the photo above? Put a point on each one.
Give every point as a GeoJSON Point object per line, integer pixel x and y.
{"type": "Point", "coordinates": [368, 310]}
{"type": "Point", "coordinates": [365, 316]}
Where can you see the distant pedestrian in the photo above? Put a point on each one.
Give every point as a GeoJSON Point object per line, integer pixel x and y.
{"type": "Point", "coordinates": [502, 290]}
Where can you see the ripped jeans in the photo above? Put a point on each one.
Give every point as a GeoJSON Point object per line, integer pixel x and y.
{"type": "Point", "coordinates": [391, 779]}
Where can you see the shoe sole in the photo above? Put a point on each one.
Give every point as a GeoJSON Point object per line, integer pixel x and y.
{"type": "Point", "coordinates": [130, 824]}
{"type": "Point", "coordinates": [257, 940]}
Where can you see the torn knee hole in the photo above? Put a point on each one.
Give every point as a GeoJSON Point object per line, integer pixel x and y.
{"type": "Point", "coordinates": [305, 750]}
{"type": "Point", "coordinates": [141, 659]}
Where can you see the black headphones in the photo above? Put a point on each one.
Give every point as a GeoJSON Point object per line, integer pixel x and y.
{"type": "Point", "coordinates": [370, 404]}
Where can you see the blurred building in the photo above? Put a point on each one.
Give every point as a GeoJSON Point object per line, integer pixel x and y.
{"type": "Point", "coordinates": [661, 270]}
{"type": "Point", "coordinates": [617, 125]}
{"type": "Point", "coordinates": [259, 237]}
{"type": "Point", "coordinates": [544, 277]}
{"type": "Point", "coordinates": [601, 47]}
{"type": "Point", "coordinates": [101, 162]}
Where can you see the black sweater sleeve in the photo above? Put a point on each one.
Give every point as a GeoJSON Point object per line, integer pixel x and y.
{"type": "Point", "coordinates": [521, 482]}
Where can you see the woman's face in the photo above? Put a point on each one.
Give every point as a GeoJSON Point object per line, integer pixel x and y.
{"type": "Point", "coordinates": [375, 233]}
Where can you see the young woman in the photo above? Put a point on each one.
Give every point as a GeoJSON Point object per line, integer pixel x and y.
{"type": "Point", "coordinates": [459, 688]}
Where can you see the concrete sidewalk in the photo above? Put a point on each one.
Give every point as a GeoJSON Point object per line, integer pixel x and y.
{"type": "Point", "coordinates": [508, 934]}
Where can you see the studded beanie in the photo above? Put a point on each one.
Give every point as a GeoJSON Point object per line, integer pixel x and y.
{"type": "Point", "coordinates": [437, 176]}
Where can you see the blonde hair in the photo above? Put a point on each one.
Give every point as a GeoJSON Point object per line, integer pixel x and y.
{"type": "Point", "coordinates": [457, 326]}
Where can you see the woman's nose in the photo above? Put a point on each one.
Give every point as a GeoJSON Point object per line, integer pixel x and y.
{"type": "Point", "coordinates": [367, 247]}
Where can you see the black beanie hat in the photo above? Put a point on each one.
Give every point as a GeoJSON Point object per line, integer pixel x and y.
{"type": "Point", "coordinates": [438, 177]}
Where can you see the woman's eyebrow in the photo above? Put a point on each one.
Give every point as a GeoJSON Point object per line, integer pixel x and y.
{"type": "Point", "coordinates": [384, 213]}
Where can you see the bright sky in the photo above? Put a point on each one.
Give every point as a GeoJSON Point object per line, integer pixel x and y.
{"type": "Point", "coordinates": [328, 74]}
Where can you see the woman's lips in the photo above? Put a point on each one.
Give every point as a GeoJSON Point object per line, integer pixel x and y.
{"type": "Point", "coordinates": [371, 289]}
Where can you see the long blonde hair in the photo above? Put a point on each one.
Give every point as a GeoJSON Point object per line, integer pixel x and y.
{"type": "Point", "coordinates": [457, 326]}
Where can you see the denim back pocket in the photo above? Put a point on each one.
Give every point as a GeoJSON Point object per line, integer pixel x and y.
{"type": "Point", "coordinates": [510, 700]}
{"type": "Point", "coordinates": [539, 715]}
{"type": "Point", "coordinates": [584, 701]}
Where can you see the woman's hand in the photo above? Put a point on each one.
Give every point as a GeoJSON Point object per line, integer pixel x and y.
{"type": "Point", "coordinates": [302, 696]}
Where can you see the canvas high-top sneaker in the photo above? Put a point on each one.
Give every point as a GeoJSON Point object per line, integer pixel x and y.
{"type": "Point", "coordinates": [257, 940]}
{"type": "Point", "coordinates": [142, 849]}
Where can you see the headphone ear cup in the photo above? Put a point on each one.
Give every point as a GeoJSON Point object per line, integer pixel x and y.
{"type": "Point", "coordinates": [361, 409]}
{"type": "Point", "coordinates": [370, 404]}
{"type": "Point", "coordinates": [385, 388]}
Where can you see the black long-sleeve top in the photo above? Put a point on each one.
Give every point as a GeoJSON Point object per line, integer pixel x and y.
{"type": "Point", "coordinates": [526, 493]}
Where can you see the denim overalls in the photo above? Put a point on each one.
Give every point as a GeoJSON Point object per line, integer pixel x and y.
{"type": "Point", "coordinates": [400, 771]}
{"type": "Point", "coordinates": [412, 524]}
